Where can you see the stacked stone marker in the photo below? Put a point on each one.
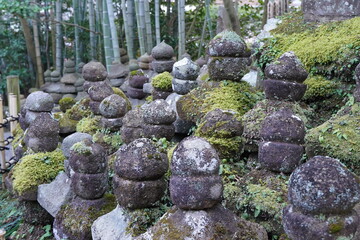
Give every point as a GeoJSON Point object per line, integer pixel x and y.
{"type": "Point", "coordinates": [117, 74]}
{"type": "Point", "coordinates": [322, 195]}
{"type": "Point", "coordinates": [47, 75]}
{"type": "Point", "coordinates": [282, 134]}
{"type": "Point", "coordinates": [144, 62]}
{"type": "Point", "coordinates": [162, 54]}
{"type": "Point", "coordinates": [284, 78]}
{"type": "Point", "coordinates": [112, 109]}
{"type": "Point", "coordinates": [132, 125]}
{"type": "Point", "coordinates": [229, 57]}
{"type": "Point", "coordinates": [80, 81]}
{"type": "Point", "coordinates": [124, 58]}
{"type": "Point", "coordinates": [185, 73]}
{"type": "Point", "coordinates": [55, 76]}
{"type": "Point", "coordinates": [36, 103]}
{"type": "Point", "coordinates": [136, 84]}
{"type": "Point", "coordinates": [159, 117]}
{"type": "Point", "coordinates": [69, 78]}
{"type": "Point", "coordinates": [96, 85]}
{"type": "Point", "coordinates": [139, 171]}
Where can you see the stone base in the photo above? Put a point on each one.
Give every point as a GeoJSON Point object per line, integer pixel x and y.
{"type": "Point", "coordinates": [227, 68]}
{"type": "Point", "coordinates": [159, 131]}
{"type": "Point", "coordinates": [182, 87]}
{"type": "Point", "coordinates": [162, 65]}
{"type": "Point", "coordinates": [282, 90]}
{"type": "Point", "coordinates": [135, 93]}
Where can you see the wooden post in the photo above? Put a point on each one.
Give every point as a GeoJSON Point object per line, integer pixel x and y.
{"type": "Point", "coordinates": [13, 109]}
{"type": "Point", "coordinates": [2, 144]}
{"type": "Point", "coordinates": [2, 234]}
{"type": "Point", "coordinates": [12, 84]}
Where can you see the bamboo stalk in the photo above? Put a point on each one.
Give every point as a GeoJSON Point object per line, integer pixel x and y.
{"type": "Point", "coordinates": [113, 32]}
{"type": "Point", "coordinates": [59, 36]}
{"type": "Point", "coordinates": [142, 23]}
{"type": "Point", "coordinates": [157, 22]}
{"type": "Point", "coordinates": [13, 111]}
{"type": "Point", "coordinates": [53, 34]}
{"type": "Point", "coordinates": [140, 33]}
{"type": "Point", "coordinates": [130, 20]}
{"type": "Point", "coordinates": [92, 28]}
{"type": "Point", "coordinates": [202, 38]}
{"type": "Point", "coordinates": [181, 27]}
{"type": "Point", "coordinates": [77, 32]}
{"type": "Point", "coordinates": [2, 153]}
{"type": "Point", "coordinates": [148, 26]}
{"type": "Point", "coordinates": [126, 26]}
{"type": "Point", "coordinates": [12, 86]}
{"type": "Point", "coordinates": [208, 18]}
{"type": "Point", "coordinates": [98, 15]}
{"type": "Point", "coordinates": [106, 33]}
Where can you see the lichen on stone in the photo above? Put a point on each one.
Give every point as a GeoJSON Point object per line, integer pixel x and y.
{"type": "Point", "coordinates": [66, 103]}
{"type": "Point", "coordinates": [36, 169]}
{"type": "Point", "coordinates": [162, 81]}
{"type": "Point", "coordinates": [118, 91]}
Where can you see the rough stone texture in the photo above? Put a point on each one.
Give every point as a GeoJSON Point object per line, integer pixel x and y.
{"type": "Point", "coordinates": [100, 91]}
{"type": "Point", "coordinates": [55, 194]}
{"type": "Point", "coordinates": [129, 134]}
{"type": "Point", "coordinates": [283, 90]}
{"type": "Point", "coordinates": [79, 82]}
{"type": "Point", "coordinates": [162, 51]}
{"type": "Point", "coordinates": [111, 226]}
{"type": "Point", "coordinates": [357, 74]}
{"type": "Point", "coordinates": [194, 156]}
{"type": "Point", "coordinates": [157, 94]}
{"type": "Point", "coordinates": [118, 71]}
{"type": "Point", "coordinates": [140, 160]}
{"type": "Point", "coordinates": [89, 186]}
{"type": "Point", "coordinates": [357, 93]}
{"type": "Point", "coordinates": [228, 68]}
{"type": "Point", "coordinates": [138, 81]}
{"type": "Point", "coordinates": [117, 82]}
{"type": "Point", "coordinates": [34, 214]}
{"type": "Point", "coordinates": [196, 192]}
{"type": "Point", "coordinates": [159, 112]}
{"type": "Point", "coordinates": [56, 97]}
{"type": "Point", "coordinates": [185, 69]}
{"type": "Point", "coordinates": [134, 118]}
{"type": "Point", "coordinates": [39, 102]}
{"type": "Point", "coordinates": [30, 116]}
{"type": "Point", "coordinates": [159, 131]}
{"type": "Point", "coordinates": [145, 58]}
{"type": "Point", "coordinates": [70, 78]}
{"type": "Point", "coordinates": [70, 140]}
{"type": "Point", "coordinates": [113, 124]}
{"type": "Point", "coordinates": [58, 88]}
{"type": "Point", "coordinates": [183, 86]}
{"type": "Point", "coordinates": [283, 126]}
{"type": "Point", "coordinates": [113, 106]}
{"type": "Point", "coordinates": [287, 68]}
{"type": "Point", "coordinates": [161, 66]}
{"type": "Point", "coordinates": [213, 223]}
{"type": "Point", "coordinates": [201, 62]}
{"type": "Point", "coordinates": [135, 93]}
{"type": "Point", "coordinates": [138, 194]}
{"type": "Point", "coordinates": [299, 226]}
{"type": "Point", "coordinates": [221, 123]}
{"type": "Point", "coordinates": [55, 73]}
{"type": "Point", "coordinates": [280, 157]}
{"type": "Point", "coordinates": [94, 71]}
{"type": "Point", "coordinates": [148, 88]}
{"type": "Point", "coordinates": [323, 185]}
{"type": "Point", "coordinates": [227, 44]}
{"type": "Point", "coordinates": [333, 10]}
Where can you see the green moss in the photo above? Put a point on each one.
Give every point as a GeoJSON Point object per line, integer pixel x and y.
{"type": "Point", "coordinates": [335, 227]}
{"type": "Point", "coordinates": [293, 23]}
{"type": "Point", "coordinates": [137, 73]}
{"type": "Point", "coordinates": [82, 148]}
{"type": "Point", "coordinates": [332, 49]}
{"type": "Point", "coordinates": [149, 99]}
{"type": "Point", "coordinates": [118, 91]}
{"type": "Point", "coordinates": [205, 77]}
{"type": "Point", "coordinates": [65, 121]}
{"type": "Point", "coordinates": [110, 140]}
{"type": "Point", "coordinates": [162, 81]}
{"type": "Point", "coordinates": [318, 87]}
{"type": "Point", "coordinates": [79, 110]}
{"type": "Point", "coordinates": [227, 147]}
{"type": "Point", "coordinates": [36, 169]}
{"type": "Point", "coordinates": [18, 135]}
{"type": "Point", "coordinates": [229, 36]}
{"type": "Point", "coordinates": [88, 125]}
{"type": "Point", "coordinates": [66, 103]}
{"type": "Point", "coordinates": [339, 137]}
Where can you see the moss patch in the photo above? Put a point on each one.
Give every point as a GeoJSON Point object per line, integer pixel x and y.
{"type": "Point", "coordinates": [88, 125]}
{"type": "Point", "coordinates": [36, 169]}
{"type": "Point", "coordinates": [339, 137]}
{"type": "Point", "coordinates": [79, 110]}
{"type": "Point", "coordinates": [111, 141]}
{"type": "Point", "coordinates": [66, 103]}
{"type": "Point", "coordinates": [319, 87]}
{"type": "Point", "coordinates": [163, 81]}
{"type": "Point", "coordinates": [18, 135]}
{"type": "Point", "coordinates": [118, 91]}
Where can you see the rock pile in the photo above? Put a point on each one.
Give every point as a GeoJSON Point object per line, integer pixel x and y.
{"type": "Point", "coordinates": [132, 125]}
{"type": "Point", "coordinates": [158, 120]}
{"type": "Point", "coordinates": [139, 171]}
{"type": "Point", "coordinates": [47, 75]}
{"type": "Point", "coordinates": [185, 73]}
{"type": "Point", "coordinates": [229, 57]}
{"type": "Point", "coordinates": [35, 104]}
{"type": "Point", "coordinates": [117, 74]}
{"type": "Point", "coordinates": [137, 79]}
{"type": "Point", "coordinates": [162, 85]}
{"type": "Point", "coordinates": [70, 77]}
{"type": "Point", "coordinates": [144, 61]}
{"type": "Point", "coordinates": [322, 195]}
{"type": "Point", "coordinates": [282, 137]}
{"type": "Point", "coordinates": [162, 54]}
{"type": "Point", "coordinates": [112, 109]}
{"type": "Point", "coordinates": [284, 78]}
{"type": "Point", "coordinates": [55, 76]}
{"type": "Point", "coordinates": [124, 58]}
{"type": "Point", "coordinates": [96, 84]}
{"type": "Point", "coordinates": [196, 190]}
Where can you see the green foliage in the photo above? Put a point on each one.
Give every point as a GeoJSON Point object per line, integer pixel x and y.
{"type": "Point", "coordinates": [162, 81]}
{"type": "Point", "coordinates": [10, 213]}
{"type": "Point", "coordinates": [331, 50]}
{"type": "Point", "coordinates": [36, 169]}
{"type": "Point", "coordinates": [81, 148]}
{"type": "Point", "coordinates": [66, 103]}
{"type": "Point", "coordinates": [48, 232]}
{"type": "Point", "coordinates": [24, 8]}
{"type": "Point", "coordinates": [318, 87]}
{"type": "Point", "coordinates": [88, 125]}
{"type": "Point", "coordinates": [80, 110]}
{"type": "Point", "coordinates": [111, 140]}
{"type": "Point", "coordinates": [250, 19]}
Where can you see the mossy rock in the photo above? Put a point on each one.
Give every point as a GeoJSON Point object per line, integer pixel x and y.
{"type": "Point", "coordinates": [19, 136]}
{"type": "Point", "coordinates": [66, 124]}
{"type": "Point", "coordinates": [80, 110]}
{"type": "Point", "coordinates": [339, 137]}
{"type": "Point", "coordinates": [331, 49]}
{"type": "Point", "coordinates": [252, 120]}
{"type": "Point", "coordinates": [118, 91]}
{"type": "Point", "coordinates": [36, 169]}
{"type": "Point", "coordinates": [111, 141]}
{"type": "Point", "coordinates": [259, 196]}
{"type": "Point", "coordinates": [66, 103]}
{"type": "Point", "coordinates": [227, 95]}
{"type": "Point", "coordinates": [88, 125]}
{"type": "Point", "coordinates": [319, 88]}
{"type": "Point", "coordinates": [162, 81]}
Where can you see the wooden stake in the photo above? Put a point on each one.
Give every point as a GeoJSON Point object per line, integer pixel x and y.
{"type": "Point", "coordinates": [13, 111]}
{"type": "Point", "coordinates": [2, 153]}
{"type": "Point", "coordinates": [12, 84]}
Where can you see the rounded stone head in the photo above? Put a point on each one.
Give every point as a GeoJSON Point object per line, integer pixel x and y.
{"type": "Point", "coordinates": [94, 72]}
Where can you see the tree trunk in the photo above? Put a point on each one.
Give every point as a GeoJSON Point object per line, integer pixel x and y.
{"type": "Point", "coordinates": [157, 21]}
{"type": "Point", "coordinates": [140, 32]}
{"type": "Point", "coordinates": [76, 31]}
{"type": "Point", "coordinates": [92, 30]}
{"type": "Point", "coordinates": [181, 25]}
{"type": "Point", "coordinates": [39, 68]}
{"type": "Point", "coordinates": [149, 37]}
{"type": "Point", "coordinates": [59, 36]}
{"type": "Point", "coordinates": [208, 18]}
{"type": "Point", "coordinates": [229, 6]}
{"type": "Point", "coordinates": [53, 34]}
{"type": "Point", "coordinates": [265, 14]}
{"type": "Point", "coordinates": [29, 41]}
{"type": "Point", "coordinates": [113, 31]}
{"type": "Point", "coordinates": [107, 41]}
